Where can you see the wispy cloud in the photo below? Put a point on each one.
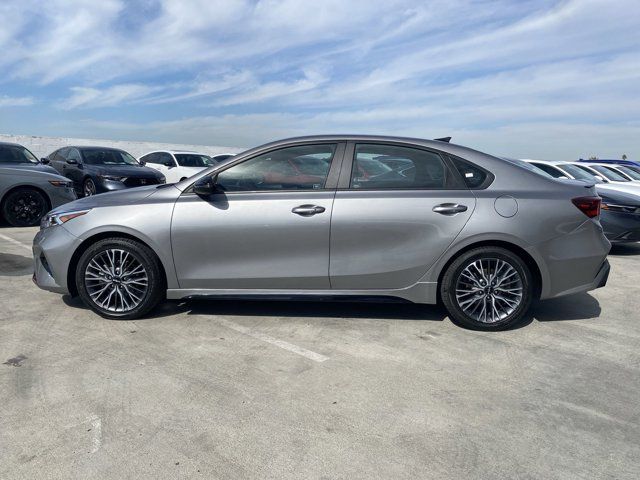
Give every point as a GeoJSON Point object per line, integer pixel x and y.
{"type": "Point", "coordinates": [6, 101]}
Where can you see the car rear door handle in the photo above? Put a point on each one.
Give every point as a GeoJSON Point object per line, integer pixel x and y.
{"type": "Point", "coordinates": [449, 208]}
{"type": "Point", "coordinates": [307, 210]}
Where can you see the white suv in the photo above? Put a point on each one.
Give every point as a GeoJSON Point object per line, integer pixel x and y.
{"type": "Point", "coordinates": [178, 165]}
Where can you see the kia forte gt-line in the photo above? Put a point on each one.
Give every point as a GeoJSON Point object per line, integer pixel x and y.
{"type": "Point", "coordinates": [484, 235]}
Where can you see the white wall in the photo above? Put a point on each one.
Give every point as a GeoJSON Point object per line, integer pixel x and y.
{"type": "Point", "coordinates": [43, 146]}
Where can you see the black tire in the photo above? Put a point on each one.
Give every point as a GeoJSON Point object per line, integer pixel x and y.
{"type": "Point", "coordinates": [89, 187]}
{"type": "Point", "coordinates": [454, 282]}
{"type": "Point", "coordinates": [155, 290]}
{"type": "Point", "coordinates": [25, 207]}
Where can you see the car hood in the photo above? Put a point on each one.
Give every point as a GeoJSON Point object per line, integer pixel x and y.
{"type": "Point", "coordinates": [120, 197]}
{"type": "Point", "coordinates": [35, 173]}
{"type": "Point", "coordinates": [126, 171]}
{"type": "Point", "coordinates": [37, 167]}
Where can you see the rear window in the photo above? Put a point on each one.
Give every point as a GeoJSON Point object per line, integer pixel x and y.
{"type": "Point", "coordinates": [609, 173]}
{"type": "Point", "coordinates": [629, 171]}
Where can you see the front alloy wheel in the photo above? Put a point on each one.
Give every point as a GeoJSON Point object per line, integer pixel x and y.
{"type": "Point", "coordinates": [487, 288]}
{"type": "Point", "coordinates": [119, 278]}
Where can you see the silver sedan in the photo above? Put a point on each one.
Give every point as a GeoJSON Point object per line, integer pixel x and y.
{"type": "Point", "coordinates": [335, 216]}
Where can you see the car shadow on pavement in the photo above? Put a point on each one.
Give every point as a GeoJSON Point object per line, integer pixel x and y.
{"type": "Point", "coordinates": [580, 306]}
{"type": "Point", "coordinates": [625, 249]}
{"type": "Point", "coordinates": [288, 308]}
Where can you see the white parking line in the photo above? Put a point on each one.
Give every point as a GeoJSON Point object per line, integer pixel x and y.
{"type": "Point", "coordinates": [15, 242]}
{"type": "Point", "coordinates": [316, 357]}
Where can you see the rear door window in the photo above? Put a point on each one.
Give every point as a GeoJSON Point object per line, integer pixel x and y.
{"type": "Point", "coordinates": [377, 166]}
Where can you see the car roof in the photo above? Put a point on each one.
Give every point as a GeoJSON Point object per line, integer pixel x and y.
{"type": "Point", "coordinates": [97, 147]}
{"type": "Point", "coordinates": [177, 152]}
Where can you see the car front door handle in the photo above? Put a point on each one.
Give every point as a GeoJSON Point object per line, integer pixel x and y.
{"type": "Point", "coordinates": [307, 210]}
{"type": "Point", "coordinates": [449, 208]}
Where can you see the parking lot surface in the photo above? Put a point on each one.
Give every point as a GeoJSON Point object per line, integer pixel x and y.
{"type": "Point", "coordinates": [238, 389]}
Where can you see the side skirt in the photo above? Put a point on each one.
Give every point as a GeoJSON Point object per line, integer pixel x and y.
{"type": "Point", "coordinates": [422, 292]}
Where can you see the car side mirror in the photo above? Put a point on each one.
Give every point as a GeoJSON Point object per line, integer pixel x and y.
{"type": "Point", "coordinates": [71, 161]}
{"type": "Point", "coordinates": [142, 162]}
{"type": "Point", "coordinates": [44, 160]}
{"type": "Point", "coordinates": [206, 186]}
{"type": "Point", "coordinates": [168, 163]}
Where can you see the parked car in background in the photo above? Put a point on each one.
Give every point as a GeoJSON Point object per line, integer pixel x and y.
{"type": "Point", "coordinates": [14, 155]}
{"type": "Point", "coordinates": [608, 175]}
{"type": "Point", "coordinates": [627, 172]}
{"type": "Point", "coordinates": [100, 169]}
{"type": "Point", "coordinates": [26, 195]}
{"type": "Point", "coordinates": [631, 163]}
{"type": "Point", "coordinates": [485, 235]}
{"type": "Point", "coordinates": [620, 217]}
{"type": "Point", "coordinates": [176, 165]}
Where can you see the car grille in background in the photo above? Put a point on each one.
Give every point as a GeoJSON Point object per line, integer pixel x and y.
{"type": "Point", "coordinates": [140, 182]}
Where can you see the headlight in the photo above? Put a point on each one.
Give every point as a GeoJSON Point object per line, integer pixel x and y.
{"type": "Point", "coordinates": [112, 178]}
{"type": "Point", "coordinates": [61, 183]}
{"type": "Point", "coordinates": [620, 208]}
{"type": "Point", "coordinates": [51, 219]}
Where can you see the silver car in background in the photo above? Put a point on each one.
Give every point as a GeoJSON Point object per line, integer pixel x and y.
{"type": "Point", "coordinates": [28, 188]}
{"type": "Point", "coordinates": [326, 217]}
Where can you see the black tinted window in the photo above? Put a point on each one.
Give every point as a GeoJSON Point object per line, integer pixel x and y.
{"type": "Point", "coordinates": [473, 176]}
{"type": "Point", "coordinates": [391, 166]}
{"type": "Point", "coordinates": [16, 154]}
{"type": "Point", "coordinates": [283, 169]}
{"type": "Point", "coordinates": [73, 154]}
{"type": "Point", "coordinates": [150, 158]}
{"type": "Point", "coordinates": [95, 156]}
{"type": "Point", "coordinates": [193, 160]}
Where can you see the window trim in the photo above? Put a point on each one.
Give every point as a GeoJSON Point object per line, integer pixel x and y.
{"type": "Point", "coordinates": [453, 180]}
{"type": "Point", "coordinates": [329, 184]}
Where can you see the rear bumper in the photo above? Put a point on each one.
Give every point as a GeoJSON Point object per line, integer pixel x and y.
{"type": "Point", "coordinates": [576, 262]}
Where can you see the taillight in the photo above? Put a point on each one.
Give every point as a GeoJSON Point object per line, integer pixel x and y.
{"type": "Point", "coordinates": [590, 206]}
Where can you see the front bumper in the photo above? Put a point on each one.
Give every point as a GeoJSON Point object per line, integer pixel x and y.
{"type": "Point", "coordinates": [53, 248]}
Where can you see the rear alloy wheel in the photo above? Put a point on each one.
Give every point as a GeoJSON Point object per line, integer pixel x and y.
{"type": "Point", "coordinates": [24, 207]}
{"type": "Point", "coordinates": [119, 278]}
{"type": "Point", "coordinates": [488, 288]}
{"type": "Point", "coordinates": [89, 188]}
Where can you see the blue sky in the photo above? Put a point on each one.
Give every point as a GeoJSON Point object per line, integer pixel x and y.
{"type": "Point", "coordinates": [540, 79]}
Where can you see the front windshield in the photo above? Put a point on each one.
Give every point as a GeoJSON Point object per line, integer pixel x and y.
{"type": "Point", "coordinates": [578, 173]}
{"type": "Point", "coordinates": [99, 156]}
{"type": "Point", "coordinates": [609, 174]}
{"type": "Point", "coordinates": [16, 154]}
{"type": "Point", "coordinates": [193, 160]}
{"type": "Point", "coordinates": [629, 171]}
